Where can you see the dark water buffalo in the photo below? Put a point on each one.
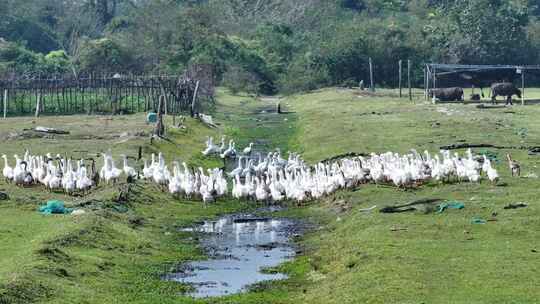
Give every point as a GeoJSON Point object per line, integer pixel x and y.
{"type": "Point", "coordinates": [447, 94]}
{"type": "Point", "coordinates": [507, 89]}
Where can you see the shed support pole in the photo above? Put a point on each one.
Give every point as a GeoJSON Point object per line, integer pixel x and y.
{"type": "Point", "coordinates": [400, 69]}
{"type": "Point", "coordinates": [425, 83]}
{"type": "Point", "coordinates": [5, 103]}
{"type": "Point", "coordinates": [409, 78]}
{"type": "Point", "coordinates": [372, 88]}
{"type": "Point", "coordinates": [434, 78]}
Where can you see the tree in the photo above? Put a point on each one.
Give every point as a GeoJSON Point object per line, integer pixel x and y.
{"type": "Point", "coordinates": [104, 10]}
{"type": "Point", "coordinates": [356, 5]}
{"type": "Point", "coordinates": [276, 46]}
{"type": "Point", "coordinates": [460, 34]}
{"type": "Point", "coordinates": [104, 55]}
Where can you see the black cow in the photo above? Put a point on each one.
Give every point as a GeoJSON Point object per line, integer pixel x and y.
{"type": "Point", "coordinates": [507, 89]}
{"type": "Point", "coordinates": [447, 94]}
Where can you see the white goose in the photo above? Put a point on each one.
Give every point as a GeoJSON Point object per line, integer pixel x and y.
{"type": "Point", "coordinates": [211, 148]}
{"type": "Point", "coordinates": [128, 171]}
{"type": "Point", "coordinates": [19, 172]}
{"type": "Point", "coordinates": [7, 171]}
{"type": "Point", "coordinates": [230, 152]}
{"type": "Point", "coordinates": [239, 169]}
{"type": "Point", "coordinates": [248, 149]}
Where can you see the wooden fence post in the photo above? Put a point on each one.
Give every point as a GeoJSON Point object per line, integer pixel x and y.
{"type": "Point", "coordinates": [522, 87]}
{"type": "Point", "coordinates": [38, 105]}
{"type": "Point", "coordinates": [372, 88]}
{"type": "Point", "coordinates": [426, 82]}
{"type": "Point", "coordinates": [5, 102]}
{"type": "Point", "coordinates": [400, 69]}
{"type": "Point", "coordinates": [409, 78]}
{"type": "Point", "coordinates": [160, 127]}
{"type": "Point", "coordinates": [166, 106]}
{"type": "Point", "coordinates": [194, 99]}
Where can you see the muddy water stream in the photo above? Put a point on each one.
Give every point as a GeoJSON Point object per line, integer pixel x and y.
{"type": "Point", "coordinates": [239, 247]}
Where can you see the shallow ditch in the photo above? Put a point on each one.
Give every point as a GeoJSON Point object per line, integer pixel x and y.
{"type": "Point", "coordinates": [239, 248]}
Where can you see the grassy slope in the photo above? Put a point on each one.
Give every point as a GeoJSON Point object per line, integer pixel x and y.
{"type": "Point", "coordinates": [62, 259]}
{"type": "Point", "coordinates": [107, 257]}
{"type": "Point", "coordinates": [440, 258]}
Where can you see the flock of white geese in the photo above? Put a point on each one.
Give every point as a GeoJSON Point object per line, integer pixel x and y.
{"type": "Point", "coordinates": [271, 178]}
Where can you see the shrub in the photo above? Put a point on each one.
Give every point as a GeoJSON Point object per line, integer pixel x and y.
{"type": "Point", "coordinates": [237, 79]}
{"type": "Point", "coordinates": [104, 55]}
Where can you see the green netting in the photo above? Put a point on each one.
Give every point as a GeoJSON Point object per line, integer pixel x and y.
{"type": "Point", "coordinates": [492, 156]}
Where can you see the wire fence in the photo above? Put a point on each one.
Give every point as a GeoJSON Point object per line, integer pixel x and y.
{"type": "Point", "coordinates": [96, 94]}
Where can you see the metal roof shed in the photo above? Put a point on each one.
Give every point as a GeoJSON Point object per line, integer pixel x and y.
{"type": "Point", "coordinates": [476, 73]}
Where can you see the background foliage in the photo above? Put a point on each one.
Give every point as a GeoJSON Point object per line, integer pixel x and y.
{"type": "Point", "coordinates": [266, 46]}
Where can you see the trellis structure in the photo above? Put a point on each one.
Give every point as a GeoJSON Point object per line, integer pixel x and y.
{"type": "Point", "coordinates": [95, 94]}
{"type": "Point", "coordinates": [476, 75]}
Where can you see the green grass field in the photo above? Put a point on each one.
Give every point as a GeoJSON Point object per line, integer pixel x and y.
{"type": "Point", "coordinates": [440, 258]}
{"type": "Point", "coordinates": [350, 256]}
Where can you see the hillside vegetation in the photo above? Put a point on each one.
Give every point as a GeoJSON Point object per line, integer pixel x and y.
{"type": "Point", "coordinates": [266, 46]}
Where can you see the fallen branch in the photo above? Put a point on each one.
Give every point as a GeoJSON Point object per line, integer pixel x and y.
{"type": "Point", "coordinates": [466, 146]}
{"type": "Point", "coordinates": [48, 130]}
{"type": "Point", "coordinates": [409, 207]}
{"type": "Point", "coordinates": [483, 106]}
{"type": "Point", "coordinates": [399, 229]}
{"type": "Point", "coordinates": [368, 209]}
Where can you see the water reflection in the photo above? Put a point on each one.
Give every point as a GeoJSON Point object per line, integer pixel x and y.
{"type": "Point", "coordinates": [239, 247]}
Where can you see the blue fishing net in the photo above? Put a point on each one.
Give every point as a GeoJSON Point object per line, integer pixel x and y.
{"type": "Point", "coordinates": [450, 205]}
{"type": "Point", "coordinates": [55, 207]}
